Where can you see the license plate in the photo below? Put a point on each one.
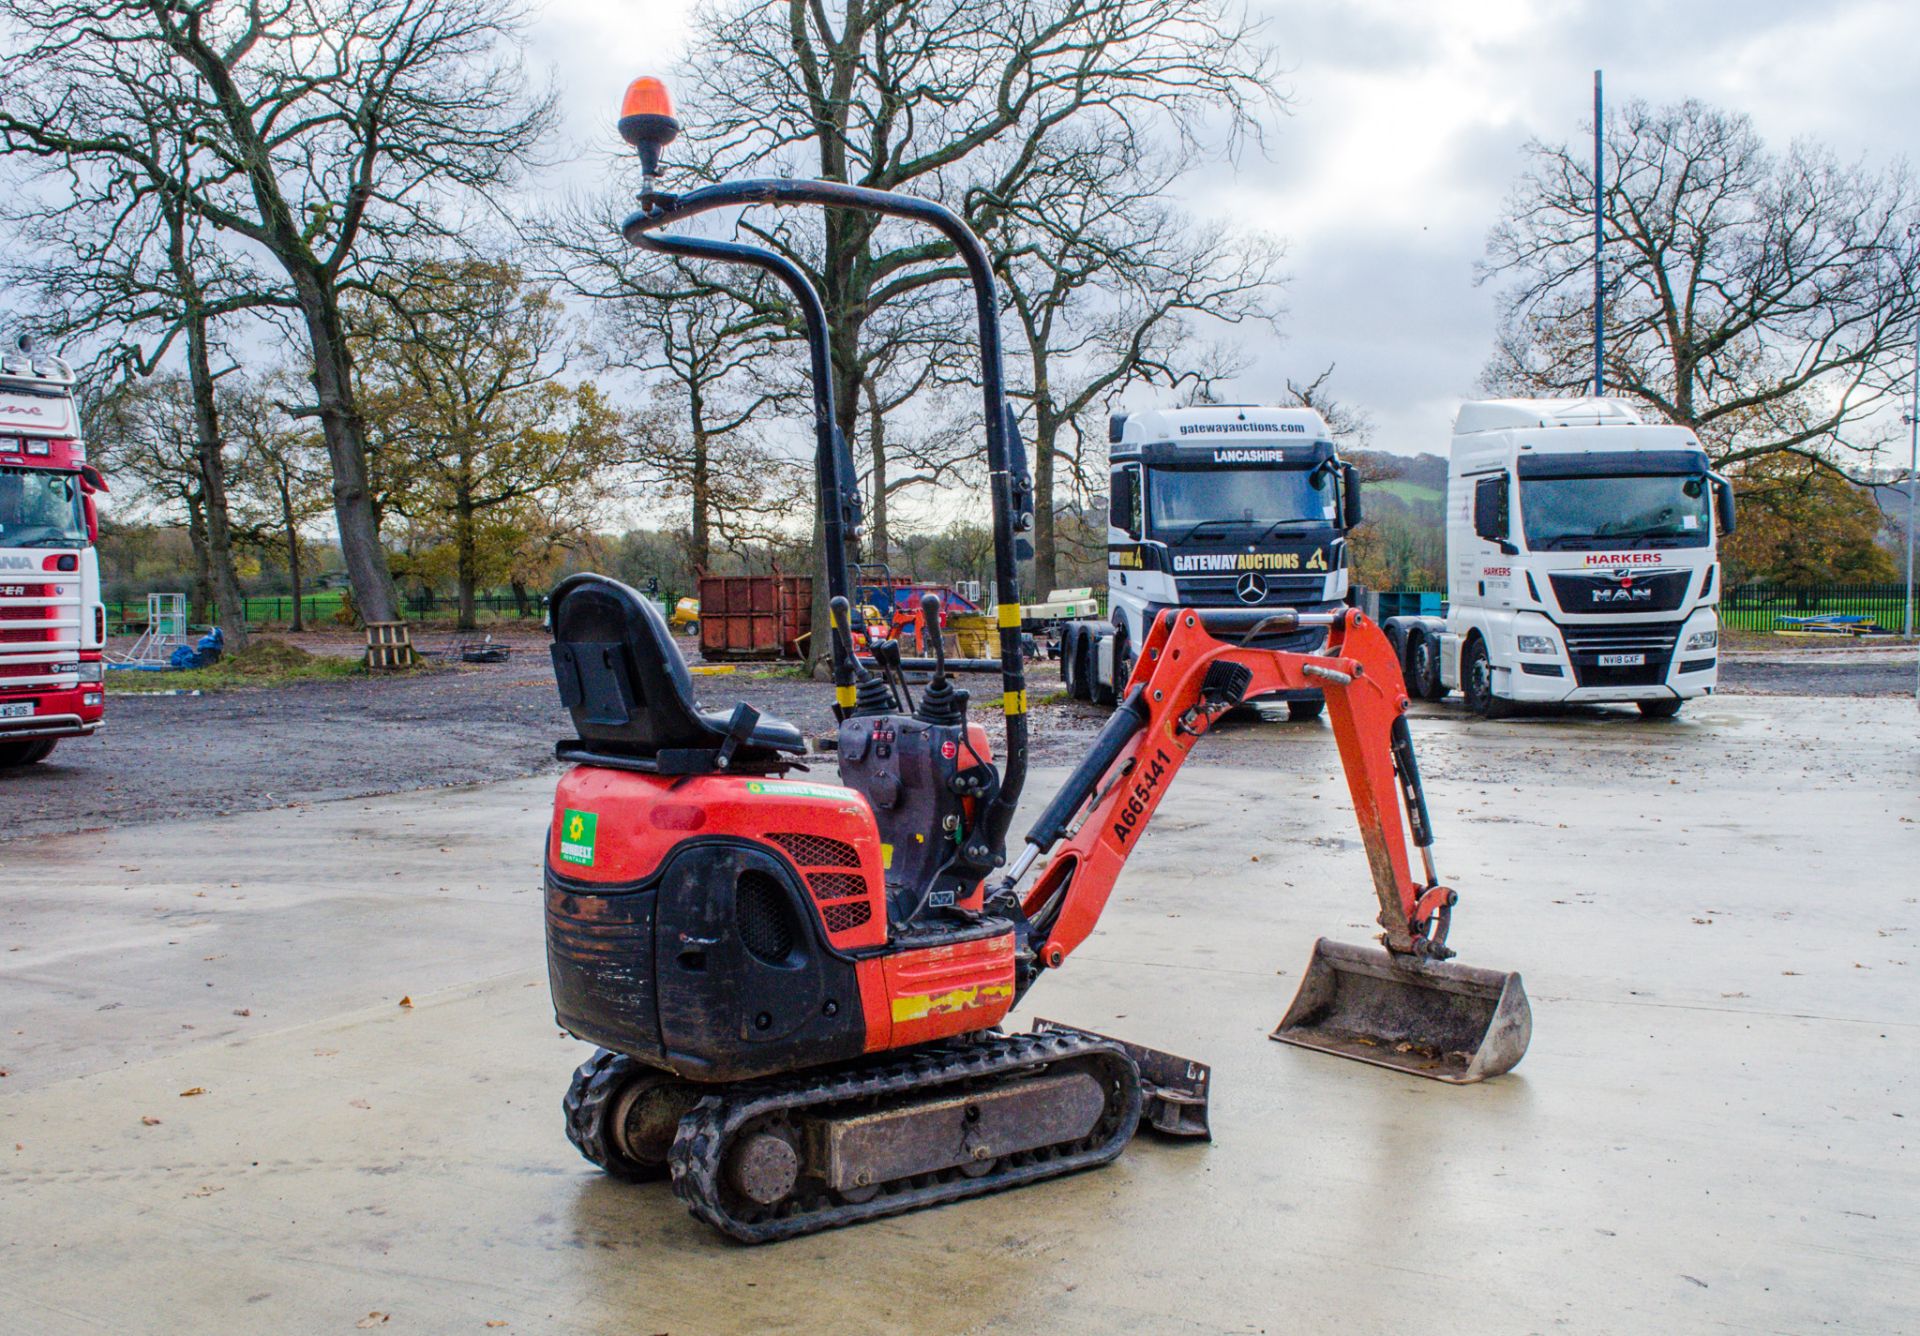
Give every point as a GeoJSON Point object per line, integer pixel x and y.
{"type": "Point", "coordinates": [24, 710]}
{"type": "Point", "coordinates": [1623, 660]}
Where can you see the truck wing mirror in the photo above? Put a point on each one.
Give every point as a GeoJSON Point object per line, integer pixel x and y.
{"type": "Point", "coordinates": [1723, 505]}
{"type": "Point", "coordinates": [1490, 512]}
{"type": "Point", "coordinates": [1350, 511]}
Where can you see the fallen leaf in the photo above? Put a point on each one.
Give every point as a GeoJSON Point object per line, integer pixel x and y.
{"type": "Point", "coordinates": [243, 1011]}
{"type": "Point", "coordinates": [373, 1319]}
{"type": "Point", "coordinates": [407, 1001]}
{"type": "Point", "coordinates": [496, 1323]}
{"type": "Point", "coordinates": [191, 1091]}
{"type": "Point", "coordinates": [150, 1121]}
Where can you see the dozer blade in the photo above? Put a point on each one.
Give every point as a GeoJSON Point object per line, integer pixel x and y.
{"type": "Point", "coordinates": [1454, 1023]}
{"type": "Point", "coordinates": [1174, 1089]}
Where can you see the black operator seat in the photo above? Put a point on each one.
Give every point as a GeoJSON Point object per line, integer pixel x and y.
{"type": "Point", "coordinates": [624, 682]}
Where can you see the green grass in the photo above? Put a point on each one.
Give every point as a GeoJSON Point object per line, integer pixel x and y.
{"type": "Point", "coordinates": [265, 663]}
{"type": "Point", "coordinates": [1410, 492]}
{"type": "Point", "coordinates": [1887, 612]}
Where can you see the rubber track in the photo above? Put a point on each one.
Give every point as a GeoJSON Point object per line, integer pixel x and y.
{"type": "Point", "coordinates": [593, 1087]}
{"type": "Point", "coordinates": [707, 1132]}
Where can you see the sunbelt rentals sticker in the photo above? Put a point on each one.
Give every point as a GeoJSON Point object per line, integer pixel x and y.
{"type": "Point", "coordinates": [577, 833]}
{"type": "Point", "coordinates": [786, 788]}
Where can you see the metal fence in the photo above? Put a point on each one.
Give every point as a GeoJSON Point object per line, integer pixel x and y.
{"type": "Point", "coordinates": [1743, 607]}
{"type": "Point", "coordinates": [1761, 607]}
{"type": "Point", "coordinates": [321, 609]}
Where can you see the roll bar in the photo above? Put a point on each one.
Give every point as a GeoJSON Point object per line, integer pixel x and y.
{"type": "Point", "coordinates": [838, 505]}
{"type": "Point", "coordinates": [1010, 486]}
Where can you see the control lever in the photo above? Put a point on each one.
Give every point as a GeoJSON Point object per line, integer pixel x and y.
{"type": "Point", "coordinates": [872, 694]}
{"type": "Point", "coordinates": [939, 703]}
{"type": "Point", "coordinates": [887, 655]}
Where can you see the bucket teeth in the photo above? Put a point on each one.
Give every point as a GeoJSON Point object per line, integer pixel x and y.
{"type": "Point", "coordinates": [1450, 1022]}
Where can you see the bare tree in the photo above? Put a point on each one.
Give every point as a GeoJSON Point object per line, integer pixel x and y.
{"type": "Point", "coordinates": [326, 133]}
{"type": "Point", "coordinates": [280, 476]}
{"type": "Point", "coordinates": [118, 261]}
{"type": "Point", "coordinates": [143, 433]}
{"type": "Point", "coordinates": [1349, 425]}
{"type": "Point", "coordinates": [1112, 285]}
{"type": "Point", "coordinates": [711, 347]}
{"type": "Point", "coordinates": [1766, 300]}
{"type": "Point", "coordinates": [954, 99]}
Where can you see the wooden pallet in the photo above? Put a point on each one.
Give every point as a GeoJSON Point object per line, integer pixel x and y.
{"type": "Point", "coordinates": [389, 645]}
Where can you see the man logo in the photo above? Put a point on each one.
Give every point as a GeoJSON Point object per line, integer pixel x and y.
{"type": "Point", "coordinates": [1251, 588]}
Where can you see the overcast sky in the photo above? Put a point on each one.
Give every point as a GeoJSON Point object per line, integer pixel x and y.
{"type": "Point", "coordinates": [1408, 119]}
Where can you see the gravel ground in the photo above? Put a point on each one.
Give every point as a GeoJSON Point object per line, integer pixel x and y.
{"type": "Point", "coordinates": [165, 757]}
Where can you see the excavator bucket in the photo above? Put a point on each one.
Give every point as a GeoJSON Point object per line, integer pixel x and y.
{"type": "Point", "coordinates": [1454, 1023]}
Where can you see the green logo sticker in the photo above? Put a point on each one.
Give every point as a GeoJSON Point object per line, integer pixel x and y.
{"type": "Point", "coordinates": [785, 788]}
{"type": "Point", "coordinates": [577, 832]}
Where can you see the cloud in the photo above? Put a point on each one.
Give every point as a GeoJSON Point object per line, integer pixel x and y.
{"type": "Point", "coordinates": [1407, 124]}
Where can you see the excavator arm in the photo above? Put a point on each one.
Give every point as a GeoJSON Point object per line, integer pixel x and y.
{"type": "Point", "coordinates": [1406, 1007]}
{"type": "Point", "coordinates": [1185, 678]}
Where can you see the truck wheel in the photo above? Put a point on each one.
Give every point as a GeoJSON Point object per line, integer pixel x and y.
{"type": "Point", "coordinates": [1660, 709]}
{"type": "Point", "coordinates": [32, 752]}
{"type": "Point", "coordinates": [1476, 682]}
{"type": "Point", "coordinates": [1423, 668]}
{"type": "Point", "coordinates": [1304, 711]}
{"type": "Point", "coordinates": [1073, 670]}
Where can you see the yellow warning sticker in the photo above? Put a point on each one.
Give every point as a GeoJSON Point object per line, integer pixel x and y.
{"type": "Point", "coordinates": [920, 1006]}
{"type": "Point", "coordinates": [1009, 614]}
{"type": "Point", "coordinates": [1014, 702]}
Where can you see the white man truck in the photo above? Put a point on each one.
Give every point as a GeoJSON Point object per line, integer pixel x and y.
{"type": "Point", "coordinates": [53, 627]}
{"type": "Point", "coordinates": [1582, 562]}
{"type": "Point", "coordinates": [1223, 506]}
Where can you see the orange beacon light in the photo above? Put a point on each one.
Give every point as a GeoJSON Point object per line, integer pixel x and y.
{"type": "Point", "coordinates": [646, 121]}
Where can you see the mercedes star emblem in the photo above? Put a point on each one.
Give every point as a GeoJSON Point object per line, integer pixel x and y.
{"type": "Point", "coordinates": [1251, 588]}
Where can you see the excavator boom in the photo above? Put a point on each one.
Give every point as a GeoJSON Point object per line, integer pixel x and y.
{"type": "Point", "coordinates": [1398, 1005]}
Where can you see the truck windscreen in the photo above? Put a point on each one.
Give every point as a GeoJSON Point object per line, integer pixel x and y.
{"type": "Point", "coordinates": [1233, 498]}
{"type": "Point", "coordinates": [41, 508]}
{"type": "Point", "coordinates": [1584, 514]}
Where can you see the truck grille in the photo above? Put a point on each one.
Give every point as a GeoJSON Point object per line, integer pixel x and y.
{"type": "Point", "coordinates": [1283, 591]}
{"type": "Point", "coordinates": [39, 628]}
{"type": "Point", "coordinates": [1591, 594]}
{"type": "Point", "coordinates": [1654, 640]}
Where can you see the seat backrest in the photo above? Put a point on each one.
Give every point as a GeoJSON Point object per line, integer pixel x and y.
{"type": "Point", "coordinates": [620, 675]}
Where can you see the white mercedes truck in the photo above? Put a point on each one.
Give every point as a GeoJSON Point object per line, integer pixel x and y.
{"type": "Point", "coordinates": [1218, 506]}
{"type": "Point", "coordinates": [1582, 562]}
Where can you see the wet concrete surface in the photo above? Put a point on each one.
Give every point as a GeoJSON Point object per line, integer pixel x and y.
{"type": "Point", "coordinates": [168, 757]}
{"type": "Point", "coordinates": [1716, 919]}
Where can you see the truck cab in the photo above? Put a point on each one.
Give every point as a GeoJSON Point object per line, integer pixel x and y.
{"type": "Point", "coordinates": [52, 622]}
{"type": "Point", "coordinates": [1221, 506]}
{"type": "Point", "coordinates": [1582, 561]}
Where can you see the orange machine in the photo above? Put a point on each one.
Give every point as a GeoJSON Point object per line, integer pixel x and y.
{"type": "Point", "coordinates": [797, 986]}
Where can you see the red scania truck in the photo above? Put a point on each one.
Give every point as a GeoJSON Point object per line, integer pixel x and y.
{"type": "Point", "coordinates": [53, 626]}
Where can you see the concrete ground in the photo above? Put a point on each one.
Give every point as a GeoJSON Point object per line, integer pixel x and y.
{"type": "Point", "coordinates": [220, 1116]}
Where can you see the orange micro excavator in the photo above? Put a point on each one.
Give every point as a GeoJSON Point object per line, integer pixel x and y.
{"type": "Point", "coordinates": [797, 987]}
